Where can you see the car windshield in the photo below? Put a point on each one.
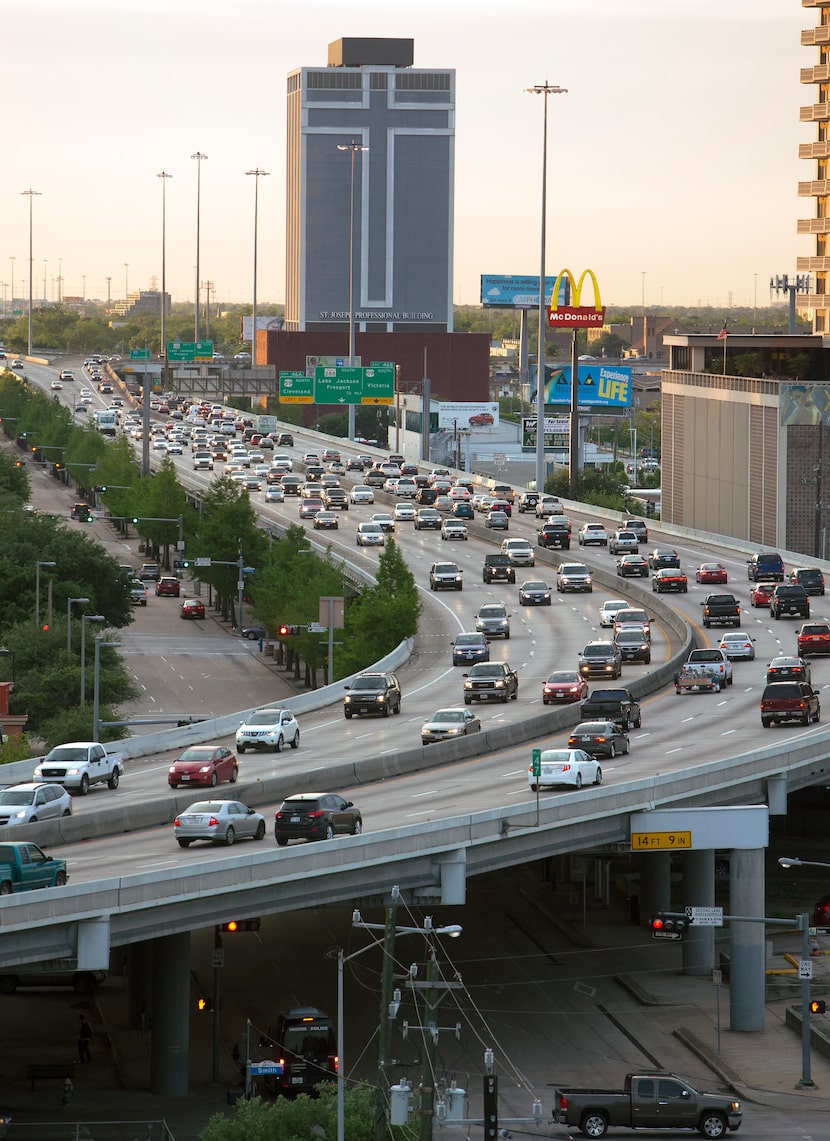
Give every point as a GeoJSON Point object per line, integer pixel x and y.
{"type": "Point", "coordinates": [451, 716]}
{"type": "Point", "coordinates": [492, 612]}
{"type": "Point", "coordinates": [630, 636]}
{"type": "Point", "coordinates": [367, 683]}
{"type": "Point", "coordinates": [196, 755]}
{"type": "Point", "coordinates": [488, 670]}
{"type": "Point", "coordinates": [599, 650]}
{"type": "Point", "coordinates": [534, 586]}
{"type": "Point", "coordinates": [574, 568]}
{"type": "Point", "coordinates": [264, 717]}
{"type": "Point", "coordinates": [16, 796]}
{"type": "Point", "coordinates": [563, 677]}
{"type": "Point", "coordinates": [469, 640]}
{"type": "Point", "coordinates": [370, 528]}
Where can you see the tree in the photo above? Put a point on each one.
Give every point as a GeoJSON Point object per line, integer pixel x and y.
{"type": "Point", "coordinates": [383, 616]}
{"type": "Point", "coordinates": [300, 1118]}
{"type": "Point", "coordinates": [229, 529]}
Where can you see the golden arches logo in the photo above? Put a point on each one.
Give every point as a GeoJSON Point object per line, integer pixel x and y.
{"type": "Point", "coordinates": [575, 315]}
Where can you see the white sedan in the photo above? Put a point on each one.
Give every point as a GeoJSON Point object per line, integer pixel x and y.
{"type": "Point", "coordinates": [609, 608]}
{"type": "Point", "coordinates": [361, 494]}
{"type": "Point", "coordinates": [571, 767]}
{"type": "Point", "coordinates": [404, 512]}
{"type": "Point", "coordinates": [737, 645]}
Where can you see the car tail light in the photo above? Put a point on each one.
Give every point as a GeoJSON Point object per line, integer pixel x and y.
{"type": "Point", "coordinates": [177, 823]}
{"type": "Point", "coordinates": [563, 1102]}
{"type": "Point", "coordinates": [316, 814]}
{"type": "Point", "coordinates": [566, 768]}
{"type": "Point", "coordinates": [213, 822]}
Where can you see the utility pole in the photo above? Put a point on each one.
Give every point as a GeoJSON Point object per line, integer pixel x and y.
{"type": "Point", "coordinates": [431, 1000]}
{"type": "Point", "coordinates": [387, 982]}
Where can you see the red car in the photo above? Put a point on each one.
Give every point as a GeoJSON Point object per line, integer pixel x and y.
{"type": "Point", "coordinates": [168, 586]}
{"type": "Point", "coordinates": [203, 765]}
{"type": "Point", "coordinates": [814, 638]}
{"type": "Point", "coordinates": [711, 573]}
{"type": "Point", "coordinates": [761, 593]}
{"type": "Point", "coordinates": [192, 608]}
{"type": "Point", "coordinates": [482, 420]}
{"type": "Point", "coordinates": [563, 687]}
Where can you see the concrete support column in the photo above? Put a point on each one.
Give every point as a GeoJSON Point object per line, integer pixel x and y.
{"type": "Point", "coordinates": [655, 884]}
{"type": "Point", "coordinates": [139, 968]}
{"type": "Point", "coordinates": [746, 940]}
{"type": "Point", "coordinates": [170, 1041]}
{"type": "Point", "coordinates": [699, 891]}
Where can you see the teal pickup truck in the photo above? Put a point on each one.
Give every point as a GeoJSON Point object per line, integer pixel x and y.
{"type": "Point", "coordinates": [24, 867]}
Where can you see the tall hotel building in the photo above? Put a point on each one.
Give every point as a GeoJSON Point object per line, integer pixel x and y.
{"type": "Point", "coordinates": [817, 188]}
{"type": "Point", "coordinates": [400, 191]}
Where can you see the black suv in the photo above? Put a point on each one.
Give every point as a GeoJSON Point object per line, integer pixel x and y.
{"type": "Point", "coordinates": [498, 568]}
{"type": "Point", "coordinates": [790, 600]}
{"type": "Point", "coordinates": [491, 681]}
{"type": "Point", "coordinates": [373, 693]}
{"type": "Point", "coordinates": [316, 816]}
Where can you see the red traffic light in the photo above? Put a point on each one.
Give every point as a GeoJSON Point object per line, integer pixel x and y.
{"type": "Point", "coordinates": [288, 631]}
{"type": "Point", "coordinates": [657, 923]}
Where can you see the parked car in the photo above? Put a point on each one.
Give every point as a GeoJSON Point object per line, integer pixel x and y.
{"type": "Point", "coordinates": [316, 816]}
{"type": "Point", "coordinates": [203, 765]}
{"type": "Point", "coordinates": [219, 821]}
{"type": "Point", "coordinates": [270, 727]}
{"type": "Point", "coordinates": [448, 723]}
{"type": "Point", "coordinates": [534, 592]}
{"type": "Point", "coordinates": [470, 648]}
{"type": "Point", "coordinates": [570, 767]}
{"type": "Point", "coordinates": [599, 738]}
{"type": "Point", "coordinates": [563, 687]}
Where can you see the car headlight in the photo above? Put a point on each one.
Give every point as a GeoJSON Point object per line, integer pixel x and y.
{"type": "Point", "coordinates": [172, 769]}
{"type": "Point", "coordinates": [498, 683]}
{"type": "Point", "coordinates": [73, 772]}
{"type": "Point", "coordinates": [347, 699]}
{"type": "Point", "coordinates": [205, 768]}
{"type": "Point", "coordinates": [24, 812]}
{"type": "Point", "coordinates": [381, 697]}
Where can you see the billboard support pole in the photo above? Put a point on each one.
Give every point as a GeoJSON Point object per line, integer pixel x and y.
{"type": "Point", "coordinates": [573, 439]}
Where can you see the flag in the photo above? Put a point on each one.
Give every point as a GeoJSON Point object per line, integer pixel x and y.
{"type": "Point", "coordinates": [724, 333]}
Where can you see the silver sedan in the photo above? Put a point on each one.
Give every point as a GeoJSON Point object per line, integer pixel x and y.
{"type": "Point", "coordinates": [221, 821]}
{"type": "Point", "coordinates": [447, 723]}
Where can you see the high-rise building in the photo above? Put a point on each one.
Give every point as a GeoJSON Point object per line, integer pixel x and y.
{"type": "Point", "coordinates": [818, 152]}
{"type": "Point", "coordinates": [370, 188]}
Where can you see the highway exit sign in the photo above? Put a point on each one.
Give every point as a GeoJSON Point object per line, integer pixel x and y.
{"type": "Point", "coordinates": [296, 388]}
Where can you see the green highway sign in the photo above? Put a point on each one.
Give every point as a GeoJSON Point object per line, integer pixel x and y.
{"type": "Point", "coordinates": [338, 385]}
{"type": "Point", "coordinates": [296, 388]}
{"type": "Point", "coordinates": [190, 351]}
{"type": "Point", "coordinates": [139, 354]}
{"type": "Point", "coordinates": [536, 762]}
{"type": "Point", "coordinates": [378, 385]}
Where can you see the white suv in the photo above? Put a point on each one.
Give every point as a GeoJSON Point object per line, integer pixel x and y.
{"type": "Point", "coordinates": [519, 551]}
{"type": "Point", "coordinates": [268, 728]}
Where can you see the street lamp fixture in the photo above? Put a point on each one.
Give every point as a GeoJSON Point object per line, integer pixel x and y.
{"type": "Point", "coordinates": [37, 588]}
{"type": "Point", "coordinates": [257, 173]}
{"type": "Point", "coordinates": [84, 619]}
{"type": "Point", "coordinates": [69, 604]}
{"type": "Point", "coordinates": [96, 687]}
{"type": "Point", "coordinates": [354, 148]}
{"type": "Point", "coordinates": [804, 927]}
{"type": "Point", "coordinates": [544, 89]}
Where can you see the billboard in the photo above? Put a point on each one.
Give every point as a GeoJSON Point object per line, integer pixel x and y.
{"type": "Point", "coordinates": [804, 404]}
{"type": "Point", "coordinates": [464, 415]}
{"type": "Point", "coordinates": [515, 292]}
{"type": "Point", "coordinates": [600, 386]}
{"type": "Point", "coordinates": [557, 433]}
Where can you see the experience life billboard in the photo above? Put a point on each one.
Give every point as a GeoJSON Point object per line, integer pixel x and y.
{"type": "Point", "coordinates": [600, 386]}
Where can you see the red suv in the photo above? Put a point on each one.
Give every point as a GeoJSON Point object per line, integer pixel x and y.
{"type": "Point", "coordinates": [168, 586]}
{"type": "Point", "coordinates": [814, 638]}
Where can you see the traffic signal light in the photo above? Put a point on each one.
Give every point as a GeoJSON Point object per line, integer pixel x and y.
{"type": "Point", "coordinates": [818, 1006]}
{"type": "Point", "coordinates": [668, 925]}
{"type": "Point", "coordinates": [236, 925]}
{"type": "Point", "coordinates": [101, 488]}
{"type": "Point", "coordinates": [45, 626]}
{"type": "Point", "coordinates": [286, 631]}
{"type": "Point", "coordinates": [135, 520]}
{"type": "Point", "coordinates": [204, 1005]}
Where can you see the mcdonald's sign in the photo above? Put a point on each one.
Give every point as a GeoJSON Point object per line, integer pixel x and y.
{"type": "Point", "coordinates": [575, 315]}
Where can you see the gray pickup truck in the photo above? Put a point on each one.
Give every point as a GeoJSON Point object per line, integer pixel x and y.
{"type": "Point", "coordinates": [648, 1101]}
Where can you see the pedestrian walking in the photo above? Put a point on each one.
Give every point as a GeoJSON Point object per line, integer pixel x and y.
{"type": "Point", "coordinates": [84, 1036]}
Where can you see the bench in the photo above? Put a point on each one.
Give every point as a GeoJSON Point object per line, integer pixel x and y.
{"type": "Point", "coordinates": [37, 1070]}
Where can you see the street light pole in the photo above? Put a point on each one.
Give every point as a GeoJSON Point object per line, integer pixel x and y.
{"type": "Point", "coordinates": [198, 156]}
{"type": "Point", "coordinates": [257, 173]}
{"type": "Point", "coordinates": [31, 195]}
{"type": "Point", "coordinates": [354, 148]}
{"type": "Point", "coordinates": [163, 176]}
{"type": "Point", "coordinates": [545, 89]}
{"type": "Point", "coordinates": [84, 619]}
{"type": "Point", "coordinates": [37, 588]}
{"type": "Point", "coordinates": [69, 603]}
{"type": "Point", "coordinates": [126, 280]}
{"type": "Point", "coordinates": [96, 688]}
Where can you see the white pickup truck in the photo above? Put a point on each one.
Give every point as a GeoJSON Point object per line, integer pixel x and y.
{"type": "Point", "coordinates": [78, 764]}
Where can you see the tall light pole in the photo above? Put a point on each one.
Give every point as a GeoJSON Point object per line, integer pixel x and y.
{"type": "Point", "coordinates": [84, 619]}
{"type": "Point", "coordinates": [60, 280]}
{"type": "Point", "coordinates": [109, 291]}
{"type": "Point", "coordinates": [545, 89]}
{"type": "Point", "coordinates": [643, 296]}
{"type": "Point", "coordinates": [164, 176]}
{"type": "Point", "coordinates": [354, 147]}
{"type": "Point", "coordinates": [4, 285]}
{"type": "Point", "coordinates": [30, 194]}
{"type": "Point", "coordinates": [96, 686]}
{"type": "Point", "coordinates": [126, 265]}
{"type": "Point", "coordinates": [69, 603]}
{"type": "Point", "coordinates": [12, 261]}
{"type": "Point", "coordinates": [44, 280]}
{"type": "Point", "coordinates": [199, 157]}
{"type": "Point", "coordinates": [257, 173]}
{"type": "Point", "coordinates": [38, 565]}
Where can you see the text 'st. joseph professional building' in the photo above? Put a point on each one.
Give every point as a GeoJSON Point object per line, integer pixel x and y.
{"type": "Point", "coordinates": [370, 94]}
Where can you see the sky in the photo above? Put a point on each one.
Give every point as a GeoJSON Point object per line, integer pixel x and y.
{"type": "Point", "coordinates": [673, 162]}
